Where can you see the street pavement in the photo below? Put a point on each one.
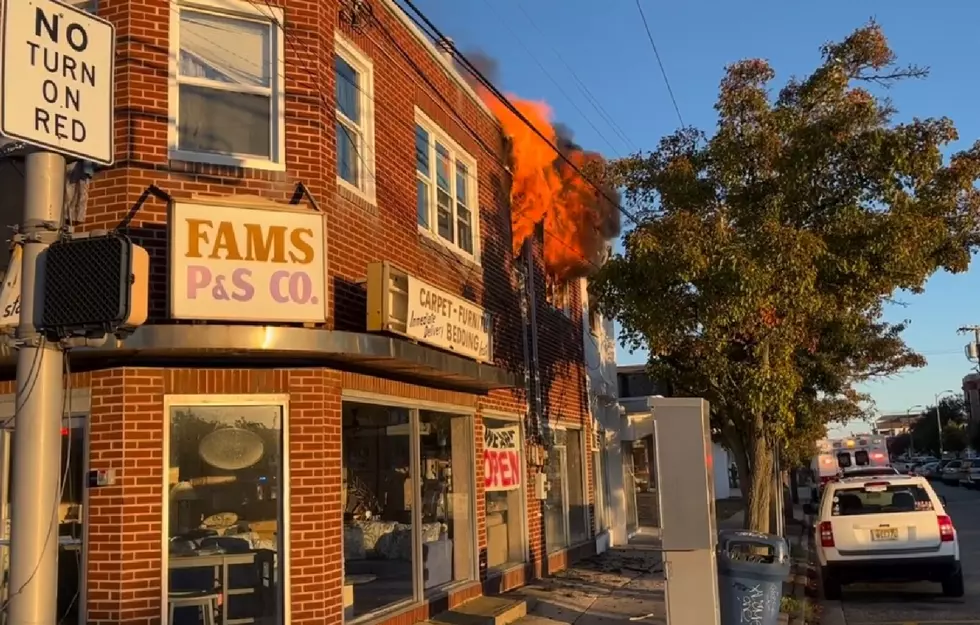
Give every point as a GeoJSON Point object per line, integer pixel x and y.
{"type": "Point", "coordinates": [921, 603]}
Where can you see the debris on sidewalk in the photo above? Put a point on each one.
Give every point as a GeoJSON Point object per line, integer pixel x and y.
{"type": "Point", "coordinates": [619, 586]}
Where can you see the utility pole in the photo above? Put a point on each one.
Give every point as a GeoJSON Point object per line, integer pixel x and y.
{"type": "Point", "coordinates": [85, 133]}
{"type": "Point", "coordinates": [40, 402]}
{"type": "Point", "coordinates": [908, 420]}
{"type": "Point", "coordinates": [972, 348]}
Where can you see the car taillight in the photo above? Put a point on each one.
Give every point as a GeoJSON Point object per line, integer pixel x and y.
{"type": "Point", "coordinates": [826, 534]}
{"type": "Point", "coordinates": [946, 531]}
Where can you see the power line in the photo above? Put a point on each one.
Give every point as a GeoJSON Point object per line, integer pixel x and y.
{"type": "Point", "coordinates": [596, 105]}
{"type": "Point", "coordinates": [656, 53]}
{"type": "Point", "coordinates": [545, 71]}
{"type": "Point", "coordinates": [485, 82]}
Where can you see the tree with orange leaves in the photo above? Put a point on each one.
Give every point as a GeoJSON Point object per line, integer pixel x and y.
{"type": "Point", "coordinates": [765, 253]}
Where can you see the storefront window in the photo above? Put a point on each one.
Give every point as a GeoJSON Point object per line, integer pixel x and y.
{"type": "Point", "coordinates": [446, 470]}
{"type": "Point", "coordinates": [504, 479]}
{"type": "Point", "coordinates": [555, 519]}
{"type": "Point", "coordinates": [225, 510]}
{"type": "Point", "coordinates": [70, 516]}
{"type": "Point", "coordinates": [578, 502]}
{"type": "Point", "coordinates": [377, 499]}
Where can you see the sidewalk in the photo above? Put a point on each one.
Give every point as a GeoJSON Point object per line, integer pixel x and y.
{"type": "Point", "coordinates": [625, 586]}
{"type": "Point", "coordinates": [620, 587]}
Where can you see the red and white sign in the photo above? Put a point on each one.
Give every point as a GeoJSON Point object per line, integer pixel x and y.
{"type": "Point", "coordinates": [502, 459]}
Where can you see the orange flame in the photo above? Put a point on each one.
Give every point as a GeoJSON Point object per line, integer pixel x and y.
{"type": "Point", "coordinates": [578, 217]}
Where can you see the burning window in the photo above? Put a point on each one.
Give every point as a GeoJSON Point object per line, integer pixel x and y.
{"type": "Point", "coordinates": [559, 295]}
{"type": "Point", "coordinates": [445, 182]}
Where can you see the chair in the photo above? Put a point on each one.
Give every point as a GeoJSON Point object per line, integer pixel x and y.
{"type": "Point", "coordinates": [205, 600]}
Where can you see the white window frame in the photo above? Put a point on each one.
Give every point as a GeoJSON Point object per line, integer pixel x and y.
{"type": "Point", "coordinates": [284, 559]}
{"type": "Point", "coordinates": [522, 452]}
{"type": "Point", "coordinates": [436, 133]}
{"type": "Point", "coordinates": [235, 9]}
{"type": "Point", "coordinates": [367, 189]}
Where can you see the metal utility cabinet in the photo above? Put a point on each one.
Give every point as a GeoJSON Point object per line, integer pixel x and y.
{"type": "Point", "coordinates": [685, 486]}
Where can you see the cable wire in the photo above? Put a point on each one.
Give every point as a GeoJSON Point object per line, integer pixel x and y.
{"type": "Point", "coordinates": [592, 99]}
{"type": "Point", "coordinates": [66, 402]}
{"type": "Point", "coordinates": [656, 53]}
{"type": "Point", "coordinates": [503, 99]}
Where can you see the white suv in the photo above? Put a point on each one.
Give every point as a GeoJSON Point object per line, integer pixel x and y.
{"type": "Point", "coordinates": [885, 528]}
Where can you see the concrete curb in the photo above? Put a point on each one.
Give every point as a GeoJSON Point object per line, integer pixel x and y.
{"type": "Point", "coordinates": [801, 578]}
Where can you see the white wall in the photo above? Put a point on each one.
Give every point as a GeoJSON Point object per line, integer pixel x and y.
{"type": "Point", "coordinates": [721, 461]}
{"type": "Point", "coordinates": [600, 360]}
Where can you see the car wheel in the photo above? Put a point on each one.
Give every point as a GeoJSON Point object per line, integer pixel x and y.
{"type": "Point", "coordinates": [953, 585]}
{"type": "Point", "coordinates": [832, 587]}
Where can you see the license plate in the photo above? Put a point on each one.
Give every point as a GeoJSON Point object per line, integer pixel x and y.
{"type": "Point", "coordinates": [890, 533]}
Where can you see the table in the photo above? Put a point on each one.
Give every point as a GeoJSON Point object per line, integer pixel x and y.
{"type": "Point", "coordinates": [221, 562]}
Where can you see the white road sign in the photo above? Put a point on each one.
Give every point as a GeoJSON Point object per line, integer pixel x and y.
{"type": "Point", "coordinates": [10, 291]}
{"type": "Point", "coordinates": [57, 66]}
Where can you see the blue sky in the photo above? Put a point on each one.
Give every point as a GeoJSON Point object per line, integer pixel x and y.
{"type": "Point", "coordinates": [536, 41]}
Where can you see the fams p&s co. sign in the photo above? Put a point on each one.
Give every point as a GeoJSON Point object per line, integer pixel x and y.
{"type": "Point", "coordinates": [403, 304]}
{"type": "Point", "coordinates": [243, 263]}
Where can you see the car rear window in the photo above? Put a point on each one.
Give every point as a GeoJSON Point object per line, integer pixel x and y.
{"type": "Point", "coordinates": [880, 499]}
{"type": "Point", "coordinates": [861, 458]}
{"type": "Point", "coordinates": [844, 459]}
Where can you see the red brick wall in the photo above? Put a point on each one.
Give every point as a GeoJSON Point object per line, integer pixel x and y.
{"type": "Point", "coordinates": [125, 521]}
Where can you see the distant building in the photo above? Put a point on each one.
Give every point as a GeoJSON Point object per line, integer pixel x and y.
{"type": "Point", "coordinates": [893, 424]}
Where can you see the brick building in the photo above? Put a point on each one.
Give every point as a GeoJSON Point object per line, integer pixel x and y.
{"type": "Point", "coordinates": [327, 414]}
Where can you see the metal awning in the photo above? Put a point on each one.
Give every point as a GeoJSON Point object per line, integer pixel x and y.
{"type": "Point", "coordinates": [233, 345]}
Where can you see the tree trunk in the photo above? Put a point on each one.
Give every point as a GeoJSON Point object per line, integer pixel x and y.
{"type": "Point", "coordinates": [757, 495]}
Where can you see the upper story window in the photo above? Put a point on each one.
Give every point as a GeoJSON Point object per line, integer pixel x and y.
{"type": "Point", "coordinates": [227, 86]}
{"type": "Point", "coordinates": [354, 78]}
{"type": "Point", "coordinates": [559, 295]}
{"type": "Point", "coordinates": [446, 190]}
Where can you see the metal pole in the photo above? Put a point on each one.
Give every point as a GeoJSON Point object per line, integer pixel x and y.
{"type": "Point", "coordinates": [37, 425]}
{"type": "Point", "coordinates": [778, 485]}
{"type": "Point", "coordinates": [939, 428]}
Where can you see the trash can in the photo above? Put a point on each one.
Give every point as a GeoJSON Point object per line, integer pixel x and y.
{"type": "Point", "coordinates": [751, 569]}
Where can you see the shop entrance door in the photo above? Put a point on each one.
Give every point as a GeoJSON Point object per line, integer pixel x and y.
{"type": "Point", "coordinates": [74, 466]}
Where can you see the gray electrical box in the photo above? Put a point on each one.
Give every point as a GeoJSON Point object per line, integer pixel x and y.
{"type": "Point", "coordinates": [685, 487]}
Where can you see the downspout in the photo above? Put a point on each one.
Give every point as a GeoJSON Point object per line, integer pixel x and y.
{"type": "Point", "coordinates": [539, 421]}
{"type": "Point", "coordinates": [522, 277]}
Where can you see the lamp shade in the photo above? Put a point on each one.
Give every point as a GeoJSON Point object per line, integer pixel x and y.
{"type": "Point", "coordinates": [231, 449]}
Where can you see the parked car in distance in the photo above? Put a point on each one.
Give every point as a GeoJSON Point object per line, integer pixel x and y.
{"type": "Point", "coordinates": [972, 478]}
{"type": "Point", "coordinates": [885, 529]}
{"type": "Point", "coordinates": [925, 469]}
{"type": "Point", "coordinates": [950, 472]}
{"type": "Point", "coordinates": [963, 471]}
{"type": "Point", "coordinates": [905, 465]}
{"type": "Point", "coordinates": [937, 471]}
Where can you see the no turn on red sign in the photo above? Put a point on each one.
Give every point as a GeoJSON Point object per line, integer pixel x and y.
{"type": "Point", "coordinates": [57, 66]}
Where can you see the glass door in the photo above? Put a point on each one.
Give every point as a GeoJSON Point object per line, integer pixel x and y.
{"type": "Point", "coordinates": [74, 465]}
